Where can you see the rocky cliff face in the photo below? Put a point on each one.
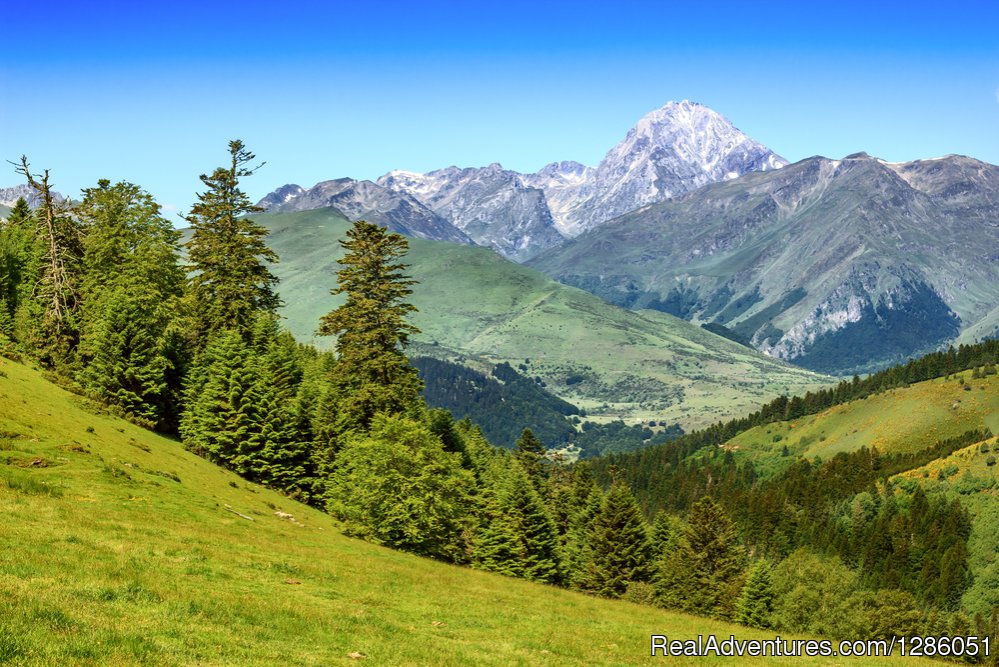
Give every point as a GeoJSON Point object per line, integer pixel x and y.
{"type": "Point", "coordinates": [9, 196]}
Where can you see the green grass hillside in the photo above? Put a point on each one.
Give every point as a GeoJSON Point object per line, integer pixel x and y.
{"type": "Point", "coordinates": [473, 303]}
{"type": "Point", "coordinates": [121, 548]}
{"type": "Point", "coordinates": [900, 420]}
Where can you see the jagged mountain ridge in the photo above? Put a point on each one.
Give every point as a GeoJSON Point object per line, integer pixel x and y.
{"type": "Point", "coordinates": [672, 150]}
{"type": "Point", "coordinates": [366, 200]}
{"type": "Point", "coordinates": [10, 195]}
{"type": "Point", "coordinates": [837, 265]}
{"type": "Point", "coordinates": [492, 205]}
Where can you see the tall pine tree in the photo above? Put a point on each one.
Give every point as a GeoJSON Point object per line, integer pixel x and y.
{"type": "Point", "coordinates": [373, 374]}
{"type": "Point", "coordinates": [756, 601]}
{"type": "Point", "coordinates": [131, 287]}
{"type": "Point", "coordinates": [519, 537]}
{"type": "Point", "coordinates": [703, 574]}
{"type": "Point", "coordinates": [21, 254]}
{"type": "Point", "coordinates": [531, 454]}
{"type": "Point", "coordinates": [619, 550]}
{"type": "Point", "coordinates": [230, 283]}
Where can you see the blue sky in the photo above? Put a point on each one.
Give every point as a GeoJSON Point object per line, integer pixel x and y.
{"type": "Point", "coordinates": [324, 90]}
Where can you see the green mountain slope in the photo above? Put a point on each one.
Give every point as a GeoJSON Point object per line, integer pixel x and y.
{"type": "Point", "coordinates": [904, 422]}
{"type": "Point", "coordinates": [119, 547]}
{"type": "Point", "coordinates": [4, 211]}
{"type": "Point", "coordinates": [898, 421]}
{"type": "Point", "coordinates": [838, 265]}
{"type": "Point", "coordinates": [607, 360]}
{"type": "Point", "coordinates": [971, 475]}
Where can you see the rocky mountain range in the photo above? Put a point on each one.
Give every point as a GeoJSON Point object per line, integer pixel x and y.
{"type": "Point", "coordinates": [366, 200]}
{"type": "Point", "coordinates": [836, 265]}
{"type": "Point", "coordinates": [9, 196]}
{"type": "Point", "coordinates": [672, 150]}
{"type": "Point", "coordinates": [491, 204]}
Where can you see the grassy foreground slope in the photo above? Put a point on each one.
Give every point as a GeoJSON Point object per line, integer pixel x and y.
{"type": "Point", "coordinates": [118, 547]}
{"type": "Point", "coordinates": [610, 361]}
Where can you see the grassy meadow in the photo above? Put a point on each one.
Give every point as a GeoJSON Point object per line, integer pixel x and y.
{"type": "Point", "coordinates": [121, 548]}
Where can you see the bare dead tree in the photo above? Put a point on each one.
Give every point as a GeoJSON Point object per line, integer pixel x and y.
{"type": "Point", "coordinates": [56, 286]}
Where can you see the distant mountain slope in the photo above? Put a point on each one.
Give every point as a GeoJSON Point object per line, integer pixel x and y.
{"type": "Point", "coordinates": [837, 265]}
{"type": "Point", "coordinates": [364, 200]}
{"type": "Point", "coordinates": [502, 403]}
{"type": "Point", "coordinates": [607, 360]}
{"type": "Point", "coordinates": [671, 150]}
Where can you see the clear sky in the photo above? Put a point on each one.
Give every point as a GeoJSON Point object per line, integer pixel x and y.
{"type": "Point", "coordinates": [151, 94]}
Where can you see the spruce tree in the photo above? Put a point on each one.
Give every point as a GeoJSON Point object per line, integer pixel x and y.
{"type": "Point", "coordinates": [531, 455]}
{"type": "Point", "coordinates": [277, 453]}
{"type": "Point", "coordinates": [373, 374]}
{"type": "Point", "coordinates": [131, 286]}
{"type": "Point", "coordinates": [666, 530]}
{"type": "Point", "coordinates": [230, 283]}
{"type": "Point", "coordinates": [619, 551]}
{"type": "Point", "coordinates": [702, 575]}
{"type": "Point", "coordinates": [519, 537]}
{"type": "Point", "coordinates": [21, 255]}
{"type": "Point", "coordinates": [127, 365]}
{"type": "Point", "coordinates": [756, 601]}
{"type": "Point", "coordinates": [221, 408]}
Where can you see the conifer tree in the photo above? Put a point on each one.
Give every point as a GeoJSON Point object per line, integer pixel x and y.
{"type": "Point", "coordinates": [131, 286]}
{"type": "Point", "coordinates": [702, 575]}
{"type": "Point", "coordinates": [127, 365]}
{"type": "Point", "coordinates": [373, 374]}
{"type": "Point", "coordinates": [221, 410]}
{"type": "Point", "coordinates": [531, 455]}
{"type": "Point", "coordinates": [519, 537]}
{"type": "Point", "coordinates": [619, 549]}
{"type": "Point", "coordinates": [576, 506]}
{"type": "Point", "coordinates": [756, 601]}
{"type": "Point", "coordinates": [277, 452]}
{"type": "Point", "coordinates": [666, 530]}
{"type": "Point", "coordinates": [20, 267]}
{"type": "Point", "coordinates": [230, 283]}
